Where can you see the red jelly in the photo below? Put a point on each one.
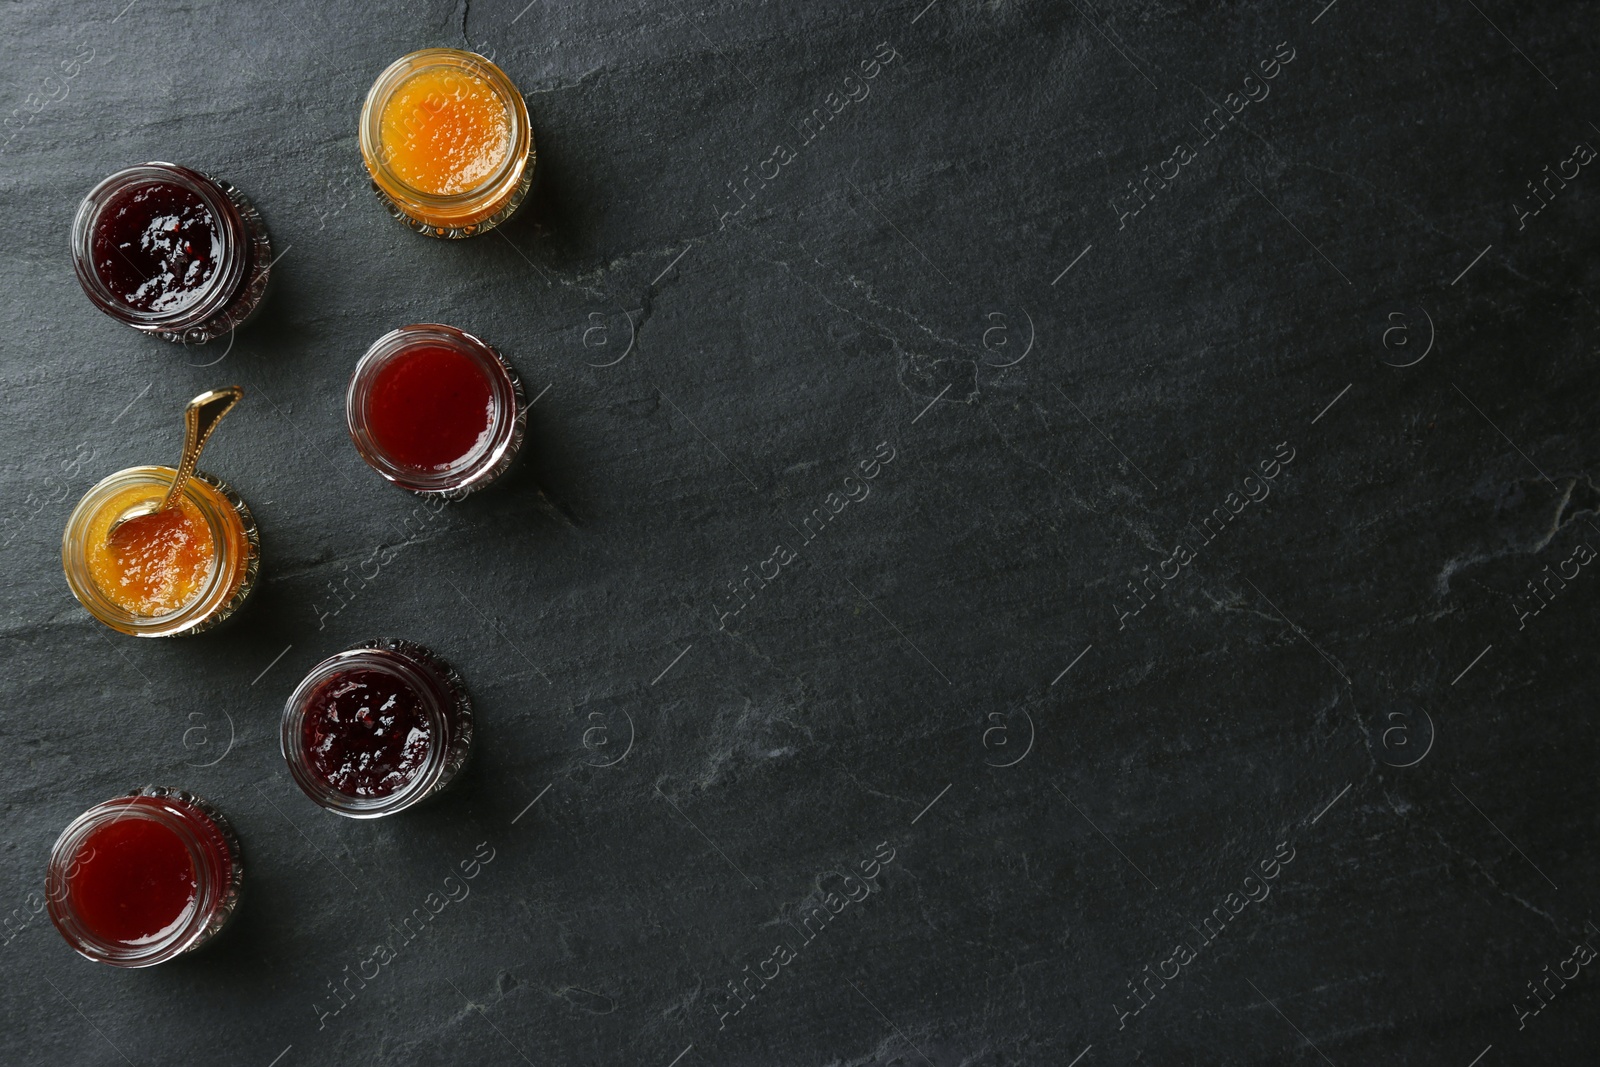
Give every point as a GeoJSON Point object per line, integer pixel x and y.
{"type": "Point", "coordinates": [435, 410]}
{"type": "Point", "coordinates": [377, 728]}
{"type": "Point", "coordinates": [134, 880]}
{"type": "Point", "coordinates": [366, 732]}
{"type": "Point", "coordinates": [144, 877]}
{"type": "Point", "coordinates": [431, 406]}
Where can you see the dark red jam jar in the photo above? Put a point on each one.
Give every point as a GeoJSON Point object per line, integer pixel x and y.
{"type": "Point", "coordinates": [171, 252]}
{"type": "Point", "coordinates": [145, 877]}
{"type": "Point", "coordinates": [377, 728]}
{"type": "Point", "coordinates": [435, 410]}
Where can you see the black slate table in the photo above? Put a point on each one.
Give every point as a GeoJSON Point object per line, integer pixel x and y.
{"type": "Point", "coordinates": [1200, 676]}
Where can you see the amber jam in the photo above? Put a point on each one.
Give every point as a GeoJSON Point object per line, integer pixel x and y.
{"type": "Point", "coordinates": [169, 251]}
{"type": "Point", "coordinates": [377, 728]}
{"type": "Point", "coordinates": [178, 571]}
{"type": "Point", "coordinates": [153, 564]}
{"type": "Point", "coordinates": [435, 410]}
{"type": "Point", "coordinates": [445, 130]}
{"type": "Point", "coordinates": [446, 139]}
{"type": "Point", "coordinates": [144, 877]}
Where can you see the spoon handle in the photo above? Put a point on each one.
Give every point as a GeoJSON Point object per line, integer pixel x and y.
{"type": "Point", "coordinates": [200, 417]}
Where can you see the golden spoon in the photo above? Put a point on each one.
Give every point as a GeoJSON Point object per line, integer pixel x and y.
{"type": "Point", "coordinates": [200, 417]}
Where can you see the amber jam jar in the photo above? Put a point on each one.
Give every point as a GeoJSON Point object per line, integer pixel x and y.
{"type": "Point", "coordinates": [180, 572]}
{"type": "Point", "coordinates": [171, 252]}
{"type": "Point", "coordinates": [436, 410]}
{"type": "Point", "coordinates": [145, 877]}
{"type": "Point", "coordinates": [446, 139]}
{"type": "Point", "coordinates": [377, 728]}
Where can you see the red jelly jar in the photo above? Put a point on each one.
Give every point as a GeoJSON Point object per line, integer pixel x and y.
{"type": "Point", "coordinates": [145, 877]}
{"type": "Point", "coordinates": [377, 728]}
{"type": "Point", "coordinates": [172, 252]}
{"type": "Point", "coordinates": [435, 410]}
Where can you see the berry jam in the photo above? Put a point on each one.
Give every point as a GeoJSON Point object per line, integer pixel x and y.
{"type": "Point", "coordinates": [366, 732]}
{"type": "Point", "coordinates": [377, 728]}
{"type": "Point", "coordinates": [157, 247]}
{"type": "Point", "coordinates": [430, 407]}
{"type": "Point", "coordinates": [132, 881]}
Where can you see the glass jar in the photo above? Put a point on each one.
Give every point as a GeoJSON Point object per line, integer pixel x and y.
{"type": "Point", "coordinates": [433, 163]}
{"type": "Point", "coordinates": [347, 757]}
{"type": "Point", "coordinates": [144, 877]}
{"type": "Point", "coordinates": [411, 417]}
{"type": "Point", "coordinates": [200, 252]}
{"type": "Point", "coordinates": [228, 581]}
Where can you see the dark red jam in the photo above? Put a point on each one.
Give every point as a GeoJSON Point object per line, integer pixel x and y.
{"type": "Point", "coordinates": [157, 246]}
{"type": "Point", "coordinates": [366, 732]}
{"type": "Point", "coordinates": [132, 880]}
{"type": "Point", "coordinates": [430, 407]}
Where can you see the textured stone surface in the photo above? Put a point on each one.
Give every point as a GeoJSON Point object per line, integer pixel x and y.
{"type": "Point", "coordinates": [940, 271]}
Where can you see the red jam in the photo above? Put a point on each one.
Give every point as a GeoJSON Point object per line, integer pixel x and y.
{"type": "Point", "coordinates": [366, 733]}
{"type": "Point", "coordinates": [156, 247]}
{"type": "Point", "coordinates": [132, 880]}
{"type": "Point", "coordinates": [430, 407]}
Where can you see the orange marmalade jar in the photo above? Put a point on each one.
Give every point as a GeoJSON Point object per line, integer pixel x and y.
{"type": "Point", "coordinates": [446, 138]}
{"type": "Point", "coordinates": [179, 571]}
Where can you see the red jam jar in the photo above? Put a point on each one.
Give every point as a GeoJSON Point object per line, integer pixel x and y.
{"type": "Point", "coordinates": [145, 877]}
{"type": "Point", "coordinates": [171, 252]}
{"type": "Point", "coordinates": [436, 410]}
{"type": "Point", "coordinates": [377, 728]}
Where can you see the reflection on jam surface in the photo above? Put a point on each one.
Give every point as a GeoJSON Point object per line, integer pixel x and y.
{"type": "Point", "coordinates": [366, 733]}
{"type": "Point", "coordinates": [132, 881]}
{"type": "Point", "coordinates": [156, 246]}
{"type": "Point", "coordinates": [155, 564]}
{"type": "Point", "coordinates": [445, 131]}
{"type": "Point", "coordinates": [430, 406]}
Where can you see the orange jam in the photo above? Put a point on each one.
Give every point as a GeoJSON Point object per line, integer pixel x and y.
{"type": "Point", "coordinates": [156, 564]}
{"type": "Point", "coordinates": [445, 131]}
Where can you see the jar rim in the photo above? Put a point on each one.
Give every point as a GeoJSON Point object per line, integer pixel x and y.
{"type": "Point", "coordinates": [488, 458]}
{"type": "Point", "coordinates": [226, 517]}
{"type": "Point", "coordinates": [506, 176]}
{"type": "Point", "coordinates": [436, 700]}
{"type": "Point", "coordinates": [222, 287]}
{"type": "Point", "coordinates": [158, 806]}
